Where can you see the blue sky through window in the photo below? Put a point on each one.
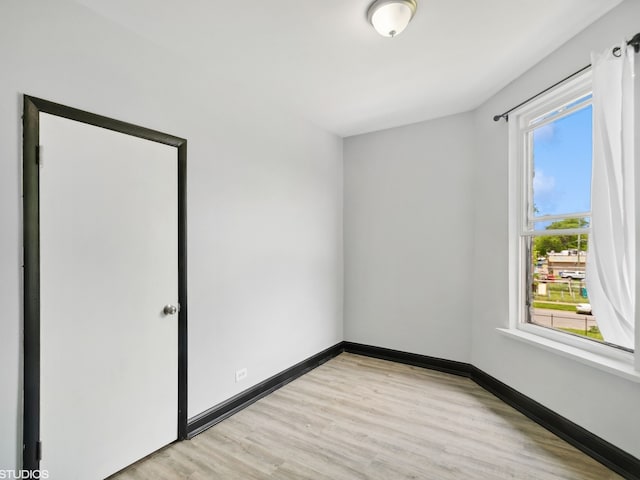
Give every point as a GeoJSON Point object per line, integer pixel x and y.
{"type": "Point", "coordinates": [562, 153]}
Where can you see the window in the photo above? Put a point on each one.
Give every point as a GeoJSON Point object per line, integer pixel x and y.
{"type": "Point", "coordinates": [550, 212]}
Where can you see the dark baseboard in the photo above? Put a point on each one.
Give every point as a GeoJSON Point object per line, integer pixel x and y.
{"type": "Point", "coordinates": [604, 452]}
{"type": "Point", "coordinates": [216, 414]}
{"type": "Point", "coordinates": [599, 449]}
{"type": "Point", "coordinates": [432, 363]}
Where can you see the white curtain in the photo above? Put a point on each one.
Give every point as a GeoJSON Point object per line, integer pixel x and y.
{"type": "Point", "coordinates": [611, 254]}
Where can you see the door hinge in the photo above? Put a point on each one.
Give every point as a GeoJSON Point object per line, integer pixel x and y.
{"type": "Point", "coordinates": [38, 451]}
{"type": "Point", "coordinates": [39, 155]}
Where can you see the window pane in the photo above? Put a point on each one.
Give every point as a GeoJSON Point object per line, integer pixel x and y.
{"type": "Point", "coordinates": [559, 111]}
{"type": "Point", "coordinates": [577, 222]}
{"type": "Point", "coordinates": [559, 297]}
{"type": "Point", "coordinates": [562, 153]}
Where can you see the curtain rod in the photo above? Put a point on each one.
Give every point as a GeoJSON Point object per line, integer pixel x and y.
{"type": "Point", "coordinates": [634, 42]}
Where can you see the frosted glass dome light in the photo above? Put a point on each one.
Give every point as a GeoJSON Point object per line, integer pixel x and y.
{"type": "Point", "coordinates": [391, 17]}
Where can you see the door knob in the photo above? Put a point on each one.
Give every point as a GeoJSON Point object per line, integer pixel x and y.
{"type": "Point", "coordinates": [170, 309]}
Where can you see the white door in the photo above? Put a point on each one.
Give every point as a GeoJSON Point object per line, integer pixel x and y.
{"type": "Point", "coordinates": [108, 266]}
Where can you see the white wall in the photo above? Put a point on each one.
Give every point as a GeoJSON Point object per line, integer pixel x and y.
{"type": "Point", "coordinates": [426, 248]}
{"type": "Point", "coordinates": [409, 237]}
{"type": "Point", "coordinates": [264, 197]}
{"type": "Point", "coordinates": [603, 404]}
{"type": "Point", "coordinates": [423, 203]}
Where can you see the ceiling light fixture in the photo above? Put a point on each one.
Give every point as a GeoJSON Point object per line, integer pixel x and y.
{"type": "Point", "coordinates": [391, 17]}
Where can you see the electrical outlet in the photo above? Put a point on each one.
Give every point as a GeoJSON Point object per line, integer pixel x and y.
{"type": "Point", "coordinates": [241, 374]}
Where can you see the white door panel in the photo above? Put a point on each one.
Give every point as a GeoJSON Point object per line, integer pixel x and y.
{"type": "Point", "coordinates": [108, 265]}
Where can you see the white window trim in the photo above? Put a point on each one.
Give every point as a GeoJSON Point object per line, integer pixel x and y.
{"type": "Point", "coordinates": [621, 367]}
{"type": "Point", "coordinates": [602, 356]}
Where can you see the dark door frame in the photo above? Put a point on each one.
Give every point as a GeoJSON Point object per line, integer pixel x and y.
{"type": "Point", "coordinates": [31, 238]}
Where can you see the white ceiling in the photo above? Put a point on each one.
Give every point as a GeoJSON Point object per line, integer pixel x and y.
{"type": "Point", "coordinates": [323, 60]}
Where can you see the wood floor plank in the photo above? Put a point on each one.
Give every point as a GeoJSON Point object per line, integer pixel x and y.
{"type": "Point", "coordinates": [356, 417]}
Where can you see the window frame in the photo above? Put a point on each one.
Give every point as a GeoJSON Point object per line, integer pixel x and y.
{"type": "Point", "coordinates": [520, 185]}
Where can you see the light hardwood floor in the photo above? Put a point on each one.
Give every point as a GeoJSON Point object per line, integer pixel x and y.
{"type": "Point", "coordinates": [361, 418]}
